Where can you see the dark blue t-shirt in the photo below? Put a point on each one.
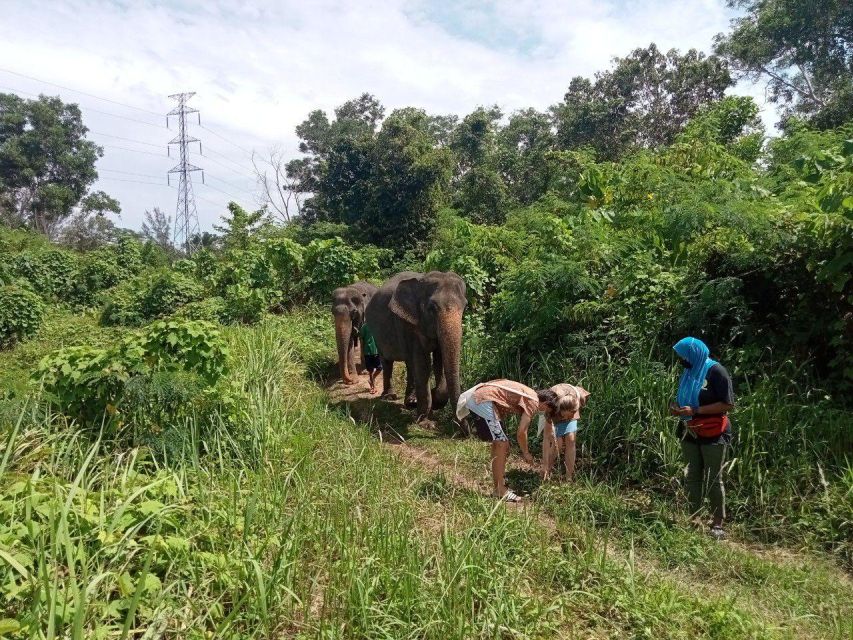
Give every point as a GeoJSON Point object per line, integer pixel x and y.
{"type": "Point", "coordinates": [716, 388]}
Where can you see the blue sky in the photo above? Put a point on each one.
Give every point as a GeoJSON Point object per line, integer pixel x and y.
{"type": "Point", "coordinates": [259, 67]}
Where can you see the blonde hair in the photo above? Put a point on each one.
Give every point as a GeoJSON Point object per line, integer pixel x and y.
{"type": "Point", "coordinates": [568, 402]}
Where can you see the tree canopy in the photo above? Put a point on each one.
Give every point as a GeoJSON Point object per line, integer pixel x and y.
{"type": "Point", "coordinates": [803, 49]}
{"type": "Point", "coordinates": [46, 164]}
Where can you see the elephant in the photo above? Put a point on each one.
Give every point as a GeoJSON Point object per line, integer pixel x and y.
{"type": "Point", "coordinates": [348, 305]}
{"type": "Point", "coordinates": [417, 318]}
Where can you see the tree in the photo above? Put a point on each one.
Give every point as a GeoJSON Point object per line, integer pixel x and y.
{"type": "Point", "coordinates": [644, 101]}
{"type": "Point", "coordinates": [410, 177]}
{"type": "Point", "coordinates": [281, 192]}
{"type": "Point", "coordinates": [89, 227]}
{"type": "Point", "coordinates": [804, 49]}
{"type": "Point", "coordinates": [479, 191]}
{"type": "Point", "coordinates": [523, 146]}
{"type": "Point", "coordinates": [238, 226]}
{"type": "Point", "coordinates": [336, 170]}
{"type": "Point", "coordinates": [157, 228]}
{"type": "Point", "coordinates": [46, 164]}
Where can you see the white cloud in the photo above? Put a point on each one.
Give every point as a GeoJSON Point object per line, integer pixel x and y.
{"type": "Point", "coordinates": [258, 68]}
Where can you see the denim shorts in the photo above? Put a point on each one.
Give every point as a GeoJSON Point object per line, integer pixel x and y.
{"type": "Point", "coordinates": [565, 428]}
{"type": "Point", "coordinates": [489, 428]}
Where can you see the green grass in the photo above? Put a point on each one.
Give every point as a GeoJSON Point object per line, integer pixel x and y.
{"type": "Point", "coordinates": [294, 521]}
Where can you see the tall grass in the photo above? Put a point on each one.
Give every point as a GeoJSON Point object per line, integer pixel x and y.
{"type": "Point", "coordinates": [790, 470]}
{"type": "Point", "coordinates": [292, 522]}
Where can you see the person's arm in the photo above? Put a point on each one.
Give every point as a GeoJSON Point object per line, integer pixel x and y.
{"type": "Point", "coordinates": [715, 408]}
{"type": "Point", "coordinates": [523, 425]}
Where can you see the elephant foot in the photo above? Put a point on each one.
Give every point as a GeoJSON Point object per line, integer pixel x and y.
{"type": "Point", "coordinates": [411, 402]}
{"type": "Point", "coordinates": [388, 395]}
{"type": "Point", "coordinates": [349, 381]}
{"type": "Point", "coordinates": [426, 423]}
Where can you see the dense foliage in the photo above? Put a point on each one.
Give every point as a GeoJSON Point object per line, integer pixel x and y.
{"type": "Point", "coordinates": [46, 164]}
{"type": "Point", "coordinates": [20, 314]}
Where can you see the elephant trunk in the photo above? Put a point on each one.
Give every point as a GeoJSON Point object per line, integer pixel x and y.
{"type": "Point", "coordinates": [450, 344]}
{"type": "Point", "coordinates": [343, 335]}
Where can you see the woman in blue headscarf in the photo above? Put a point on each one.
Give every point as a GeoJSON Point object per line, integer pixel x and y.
{"type": "Point", "coordinates": [705, 396]}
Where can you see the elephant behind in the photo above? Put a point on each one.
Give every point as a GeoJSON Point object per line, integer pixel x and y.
{"type": "Point", "coordinates": [348, 306]}
{"type": "Point", "coordinates": [417, 319]}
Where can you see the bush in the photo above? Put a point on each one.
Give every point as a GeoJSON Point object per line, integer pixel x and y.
{"type": "Point", "coordinates": [85, 382]}
{"type": "Point", "coordinates": [21, 312]}
{"type": "Point", "coordinates": [167, 291]}
{"type": "Point", "coordinates": [190, 345]}
{"type": "Point", "coordinates": [97, 271]}
{"type": "Point", "coordinates": [88, 383]}
{"type": "Point", "coordinates": [150, 296]}
{"type": "Point", "coordinates": [210, 309]}
{"type": "Point", "coordinates": [48, 272]}
{"type": "Point", "coordinates": [244, 305]}
{"type": "Point", "coordinates": [329, 264]}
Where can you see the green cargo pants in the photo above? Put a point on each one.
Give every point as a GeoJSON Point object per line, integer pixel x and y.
{"type": "Point", "coordinates": [705, 474]}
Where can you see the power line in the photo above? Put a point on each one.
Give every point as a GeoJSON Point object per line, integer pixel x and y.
{"type": "Point", "coordinates": [227, 159]}
{"type": "Point", "coordinates": [230, 184]}
{"type": "Point", "coordinates": [88, 108]}
{"type": "Point", "coordinates": [226, 167]}
{"type": "Point", "coordinates": [129, 173]}
{"type": "Point", "coordinates": [109, 135]}
{"type": "Point", "coordinates": [150, 153]}
{"type": "Point", "coordinates": [158, 184]}
{"type": "Point", "coordinates": [91, 95]}
{"type": "Point", "coordinates": [209, 201]}
{"type": "Point", "coordinates": [230, 195]}
{"type": "Point", "coordinates": [234, 144]}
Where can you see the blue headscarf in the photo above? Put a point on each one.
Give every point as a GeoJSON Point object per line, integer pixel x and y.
{"type": "Point", "coordinates": [696, 353]}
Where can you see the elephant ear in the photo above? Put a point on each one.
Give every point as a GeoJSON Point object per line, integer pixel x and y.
{"type": "Point", "coordinates": [404, 302]}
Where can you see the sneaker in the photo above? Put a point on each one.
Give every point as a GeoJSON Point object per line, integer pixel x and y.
{"type": "Point", "coordinates": [717, 533]}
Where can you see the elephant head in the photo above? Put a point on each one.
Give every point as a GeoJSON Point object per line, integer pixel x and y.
{"type": "Point", "coordinates": [348, 305]}
{"type": "Point", "coordinates": [433, 304]}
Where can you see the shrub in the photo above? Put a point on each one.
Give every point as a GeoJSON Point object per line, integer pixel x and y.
{"type": "Point", "coordinates": [185, 267]}
{"type": "Point", "coordinates": [48, 272]}
{"type": "Point", "coordinates": [167, 291]}
{"type": "Point", "coordinates": [191, 345]}
{"type": "Point", "coordinates": [210, 309]}
{"type": "Point", "coordinates": [129, 255]}
{"type": "Point", "coordinates": [97, 271]}
{"type": "Point", "coordinates": [21, 312]}
{"type": "Point", "coordinates": [245, 305]}
{"type": "Point", "coordinates": [206, 268]}
{"type": "Point", "coordinates": [87, 383]}
{"type": "Point", "coordinates": [329, 264]}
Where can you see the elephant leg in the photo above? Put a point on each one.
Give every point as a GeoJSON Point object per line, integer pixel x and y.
{"type": "Point", "coordinates": [410, 401]}
{"type": "Point", "coordinates": [421, 366]}
{"type": "Point", "coordinates": [439, 392]}
{"type": "Point", "coordinates": [351, 359]}
{"type": "Point", "coordinates": [387, 370]}
{"type": "Point", "coordinates": [343, 337]}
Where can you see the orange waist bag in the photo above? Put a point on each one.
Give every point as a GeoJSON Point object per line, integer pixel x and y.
{"type": "Point", "coordinates": [708, 426]}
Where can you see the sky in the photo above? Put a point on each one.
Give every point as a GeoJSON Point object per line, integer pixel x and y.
{"type": "Point", "coordinates": [259, 67]}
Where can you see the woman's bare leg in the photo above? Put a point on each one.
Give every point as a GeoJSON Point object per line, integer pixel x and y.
{"type": "Point", "coordinates": [500, 449]}
{"type": "Point", "coordinates": [549, 453]}
{"type": "Point", "coordinates": [569, 444]}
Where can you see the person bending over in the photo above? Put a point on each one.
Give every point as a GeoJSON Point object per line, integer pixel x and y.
{"type": "Point", "coordinates": [491, 402]}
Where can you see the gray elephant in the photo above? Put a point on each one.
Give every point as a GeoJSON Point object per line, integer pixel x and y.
{"type": "Point", "coordinates": [348, 306]}
{"type": "Point", "coordinates": [417, 318]}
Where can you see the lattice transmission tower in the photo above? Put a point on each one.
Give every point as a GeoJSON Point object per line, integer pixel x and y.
{"type": "Point", "coordinates": [185, 233]}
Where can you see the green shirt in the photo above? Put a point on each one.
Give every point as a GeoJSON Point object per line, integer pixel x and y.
{"type": "Point", "coordinates": [368, 340]}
